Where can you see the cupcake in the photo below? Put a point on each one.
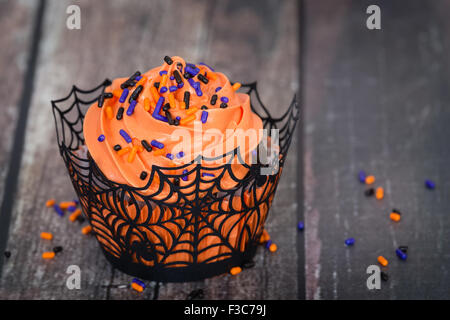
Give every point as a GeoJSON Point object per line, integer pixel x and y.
{"type": "Point", "coordinates": [168, 169]}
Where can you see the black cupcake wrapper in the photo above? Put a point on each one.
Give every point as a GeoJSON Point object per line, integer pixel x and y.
{"type": "Point", "coordinates": [208, 228]}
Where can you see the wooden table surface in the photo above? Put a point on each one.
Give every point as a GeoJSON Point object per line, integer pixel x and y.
{"type": "Point", "coordinates": [373, 100]}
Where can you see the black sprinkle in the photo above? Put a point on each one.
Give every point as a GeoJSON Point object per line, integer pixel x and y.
{"type": "Point", "coordinates": [187, 75]}
{"type": "Point", "coordinates": [403, 249]}
{"type": "Point", "coordinates": [169, 118]}
{"type": "Point", "coordinates": [176, 181]}
{"type": "Point", "coordinates": [204, 107]}
{"type": "Point", "coordinates": [135, 75]}
{"type": "Point", "coordinates": [396, 211]}
{"type": "Point", "coordinates": [143, 175]}
{"type": "Point", "coordinates": [176, 122]}
{"type": "Point", "coordinates": [146, 145]}
{"type": "Point", "coordinates": [128, 83]}
{"type": "Point", "coordinates": [156, 85]}
{"type": "Point", "coordinates": [369, 192]}
{"type": "Point", "coordinates": [180, 67]}
{"type": "Point", "coordinates": [117, 147]}
{"type": "Point", "coordinates": [196, 294]}
{"type": "Point", "coordinates": [57, 249]}
{"type": "Point", "coordinates": [108, 95]}
{"type": "Point", "coordinates": [187, 96]}
{"type": "Point", "coordinates": [213, 99]}
{"type": "Point", "coordinates": [223, 105]}
{"type": "Point", "coordinates": [101, 100]}
{"type": "Point", "coordinates": [177, 77]}
{"type": "Point", "coordinates": [7, 254]}
{"type": "Point", "coordinates": [166, 107]}
{"type": "Point", "coordinates": [119, 114]}
{"type": "Point", "coordinates": [248, 264]}
{"type": "Point", "coordinates": [168, 60]}
{"type": "Point", "coordinates": [81, 219]}
{"type": "Point", "coordinates": [136, 93]}
{"type": "Point", "coordinates": [202, 78]}
{"type": "Point", "coordinates": [384, 276]}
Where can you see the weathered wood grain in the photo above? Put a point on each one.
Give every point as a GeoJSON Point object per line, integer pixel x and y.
{"type": "Point", "coordinates": [376, 101]}
{"type": "Point", "coordinates": [252, 40]}
{"type": "Point", "coordinates": [16, 17]}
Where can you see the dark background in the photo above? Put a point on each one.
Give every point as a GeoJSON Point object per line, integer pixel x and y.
{"type": "Point", "coordinates": [375, 100]}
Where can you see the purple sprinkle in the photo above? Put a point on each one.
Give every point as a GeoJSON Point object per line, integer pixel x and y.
{"type": "Point", "coordinates": [172, 78]}
{"type": "Point", "coordinates": [204, 116]}
{"type": "Point", "coordinates": [157, 144]}
{"type": "Point", "coordinates": [218, 88]}
{"type": "Point", "coordinates": [170, 156]}
{"type": "Point", "coordinates": [72, 208]}
{"type": "Point", "coordinates": [125, 135]}
{"type": "Point", "coordinates": [138, 78]}
{"type": "Point", "coordinates": [193, 83]}
{"type": "Point", "coordinates": [180, 85]}
{"type": "Point", "coordinates": [162, 72]}
{"type": "Point", "coordinates": [180, 154]}
{"type": "Point", "coordinates": [184, 177]}
{"type": "Point", "coordinates": [224, 99]}
{"type": "Point", "coordinates": [268, 243]}
{"type": "Point", "coordinates": [157, 110]}
{"type": "Point", "coordinates": [58, 210]}
{"type": "Point", "coordinates": [205, 174]}
{"type": "Point", "coordinates": [204, 64]}
{"type": "Point", "coordinates": [191, 69]}
{"type": "Point", "coordinates": [173, 88]}
{"type": "Point", "coordinates": [76, 201]}
{"type": "Point", "coordinates": [198, 92]}
{"type": "Point", "coordinates": [178, 118]}
{"type": "Point", "coordinates": [163, 89]}
{"type": "Point", "coordinates": [124, 95]}
{"type": "Point", "coordinates": [101, 138]}
{"type": "Point", "coordinates": [130, 109]}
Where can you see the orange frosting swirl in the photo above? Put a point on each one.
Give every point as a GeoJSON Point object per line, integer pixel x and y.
{"type": "Point", "coordinates": [127, 165]}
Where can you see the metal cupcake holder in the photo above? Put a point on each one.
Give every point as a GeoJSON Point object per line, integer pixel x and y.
{"type": "Point", "coordinates": [206, 232]}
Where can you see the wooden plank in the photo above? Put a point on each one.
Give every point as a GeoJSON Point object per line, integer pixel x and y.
{"type": "Point", "coordinates": [17, 18]}
{"type": "Point", "coordinates": [199, 31]}
{"type": "Point", "coordinates": [376, 100]}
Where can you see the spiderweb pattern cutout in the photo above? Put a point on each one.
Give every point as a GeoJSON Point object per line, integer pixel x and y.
{"type": "Point", "coordinates": [181, 232]}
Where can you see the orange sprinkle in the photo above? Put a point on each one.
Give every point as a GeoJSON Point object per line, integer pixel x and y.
{"type": "Point", "coordinates": [132, 154]}
{"type": "Point", "coordinates": [395, 216]}
{"type": "Point", "coordinates": [46, 235]}
{"type": "Point", "coordinates": [117, 93]}
{"type": "Point", "coordinates": [191, 110]}
{"type": "Point", "coordinates": [382, 260]}
{"type": "Point", "coordinates": [188, 119]}
{"type": "Point", "coordinates": [142, 81]}
{"type": "Point", "coordinates": [211, 76]}
{"type": "Point", "coordinates": [163, 81]}
{"type": "Point", "coordinates": [370, 179]}
{"type": "Point", "coordinates": [75, 215]}
{"type": "Point", "coordinates": [236, 86]}
{"type": "Point", "coordinates": [50, 203]}
{"type": "Point", "coordinates": [159, 152]}
{"type": "Point", "coordinates": [86, 230]}
{"type": "Point", "coordinates": [66, 204]}
{"type": "Point", "coordinates": [109, 113]}
{"type": "Point", "coordinates": [273, 247]}
{"type": "Point", "coordinates": [172, 101]}
{"type": "Point", "coordinates": [182, 105]}
{"type": "Point", "coordinates": [123, 151]}
{"type": "Point", "coordinates": [154, 93]}
{"type": "Point", "coordinates": [137, 287]}
{"type": "Point", "coordinates": [48, 255]}
{"type": "Point", "coordinates": [147, 104]}
{"type": "Point", "coordinates": [235, 270]}
{"type": "Point", "coordinates": [379, 194]}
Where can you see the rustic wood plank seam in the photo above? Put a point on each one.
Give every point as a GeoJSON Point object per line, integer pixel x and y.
{"type": "Point", "coordinates": [301, 285]}
{"type": "Point", "coordinates": [19, 133]}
